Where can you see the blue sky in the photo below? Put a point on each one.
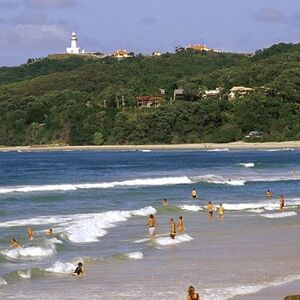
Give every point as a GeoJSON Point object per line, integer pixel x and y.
{"type": "Point", "coordinates": [35, 28]}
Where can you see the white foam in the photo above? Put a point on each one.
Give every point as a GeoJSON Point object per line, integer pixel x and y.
{"type": "Point", "coordinates": [28, 252]}
{"type": "Point", "coordinates": [283, 149]}
{"type": "Point", "coordinates": [2, 281]}
{"type": "Point", "coordinates": [135, 255]}
{"type": "Point", "coordinates": [280, 215]}
{"type": "Point", "coordinates": [247, 165]}
{"type": "Point", "coordinates": [101, 185]}
{"type": "Point", "coordinates": [219, 150]}
{"type": "Point", "coordinates": [218, 180]}
{"type": "Point", "coordinates": [56, 241]}
{"type": "Point", "coordinates": [190, 207]}
{"type": "Point", "coordinates": [63, 268]}
{"type": "Point", "coordinates": [142, 241]}
{"type": "Point", "coordinates": [83, 228]}
{"type": "Point", "coordinates": [25, 275]}
{"type": "Point", "coordinates": [145, 150]}
{"type": "Point", "coordinates": [166, 241]}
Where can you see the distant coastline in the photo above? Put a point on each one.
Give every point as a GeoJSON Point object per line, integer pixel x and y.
{"type": "Point", "coordinates": [203, 146]}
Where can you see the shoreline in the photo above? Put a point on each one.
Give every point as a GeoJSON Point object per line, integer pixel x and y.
{"type": "Point", "coordinates": [202, 146]}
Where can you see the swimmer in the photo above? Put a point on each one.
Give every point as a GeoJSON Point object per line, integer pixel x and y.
{"type": "Point", "coordinates": [30, 233]}
{"type": "Point", "coordinates": [180, 227]}
{"type": "Point", "coordinates": [14, 244]}
{"type": "Point", "coordinates": [165, 202]}
{"type": "Point", "coordinates": [151, 223]}
{"type": "Point", "coordinates": [192, 295]}
{"type": "Point", "coordinates": [194, 194]}
{"type": "Point", "coordinates": [294, 173]}
{"type": "Point", "coordinates": [79, 270]}
{"type": "Point", "coordinates": [172, 229]}
{"type": "Point", "coordinates": [269, 194]}
{"type": "Point", "coordinates": [210, 209]}
{"type": "Point", "coordinates": [49, 231]}
{"type": "Point", "coordinates": [221, 211]}
{"type": "Point", "coordinates": [281, 201]}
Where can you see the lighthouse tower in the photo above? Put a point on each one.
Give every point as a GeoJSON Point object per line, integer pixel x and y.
{"type": "Point", "coordinates": [73, 49]}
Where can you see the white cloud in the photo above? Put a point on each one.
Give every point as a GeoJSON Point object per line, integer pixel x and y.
{"type": "Point", "coordinates": [49, 3]}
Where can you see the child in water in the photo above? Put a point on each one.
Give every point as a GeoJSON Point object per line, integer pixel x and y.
{"type": "Point", "coordinates": [180, 225]}
{"type": "Point", "coordinates": [79, 270]}
{"type": "Point", "coordinates": [192, 295]}
{"type": "Point", "coordinates": [172, 229]}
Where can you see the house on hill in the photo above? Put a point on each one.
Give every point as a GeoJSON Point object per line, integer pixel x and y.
{"type": "Point", "coordinates": [148, 101]}
{"type": "Point", "coordinates": [212, 93]}
{"type": "Point", "coordinates": [121, 53]}
{"type": "Point", "coordinates": [178, 94]}
{"type": "Point", "coordinates": [239, 92]}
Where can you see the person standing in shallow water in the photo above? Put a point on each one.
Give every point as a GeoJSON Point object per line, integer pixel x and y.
{"type": "Point", "coordinates": [281, 201]}
{"type": "Point", "coordinates": [165, 202]}
{"type": "Point", "coordinates": [210, 209]}
{"type": "Point", "coordinates": [194, 194]}
{"type": "Point", "coordinates": [192, 295]}
{"type": "Point", "coordinates": [79, 270]}
{"type": "Point", "coordinates": [172, 229]}
{"type": "Point", "coordinates": [221, 212]}
{"type": "Point", "coordinates": [30, 233]}
{"type": "Point", "coordinates": [152, 225]}
{"type": "Point", "coordinates": [180, 226]}
{"type": "Point", "coordinates": [269, 194]}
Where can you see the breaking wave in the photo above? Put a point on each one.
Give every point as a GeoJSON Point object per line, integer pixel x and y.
{"type": "Point", "coordinates": [135, 255]}
{"type": "Point", "coordinates": [247, 165]}
{"type": "Point", "coordinates": [280, 215]}
{"type": "Point", "coordinates": [219, 150]}
{"type": "Point", "coordinates": [63, 267]}
{"type": "Point", "coordinates": [79, 228]}
{"type": "Point", "coordinates": [166, 241]}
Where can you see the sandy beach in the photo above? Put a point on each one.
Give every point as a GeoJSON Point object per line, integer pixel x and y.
{"type": "Point", "coordinates": [202, 146]}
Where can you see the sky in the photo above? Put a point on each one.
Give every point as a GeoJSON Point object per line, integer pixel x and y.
{"type": "Point", "coordinates": [36, 28]}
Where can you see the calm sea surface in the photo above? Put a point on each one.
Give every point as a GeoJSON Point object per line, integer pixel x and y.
{"type": "Point", "coordinates": [97, 204]}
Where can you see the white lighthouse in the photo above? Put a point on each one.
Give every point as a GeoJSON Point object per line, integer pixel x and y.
{"type": "Point", "coordinates": [73, 49]}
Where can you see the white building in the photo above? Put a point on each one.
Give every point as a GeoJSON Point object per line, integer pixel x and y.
{"type": "Point", "coordinates": [74, 49]}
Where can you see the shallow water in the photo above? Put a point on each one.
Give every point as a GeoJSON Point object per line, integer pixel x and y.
{"type": "Point", "coordinates": [97, 204]}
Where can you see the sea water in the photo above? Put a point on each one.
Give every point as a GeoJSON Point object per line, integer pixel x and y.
{"type": "Point", "coordinates": [97, 204]}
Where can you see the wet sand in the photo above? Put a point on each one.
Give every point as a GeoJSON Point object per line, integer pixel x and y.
{"type": "Point", "coordinates": [202, 146]}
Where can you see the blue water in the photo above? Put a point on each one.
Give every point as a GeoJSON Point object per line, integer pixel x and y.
{"type": "Point", "coordinates": [217, 176]}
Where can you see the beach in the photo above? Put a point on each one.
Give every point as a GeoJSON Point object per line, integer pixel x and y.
{"type": "Point", "coordinates": [203, 146]}
{"type": "Point", "coordinates": [98, 202]}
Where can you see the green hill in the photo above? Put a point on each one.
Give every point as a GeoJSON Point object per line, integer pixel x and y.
{"type": "Point", "coordinates": [72, 99]}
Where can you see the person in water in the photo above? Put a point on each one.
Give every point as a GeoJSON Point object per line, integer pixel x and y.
{"type": "Point", "coordinates": [152, 225]}
{"type": "Point", "coordinates": [269, 194]}
{"type": "Point", "coordinates": [210, 209]}
{"type": "Point", "coordinates": [79, 270]}
{"type": "Point", "coordinates": [172, 229]}
{"type": "Point", "coordinates": [180, 226]}
{"type": "Point", "coordinates": [165, 202]}
{"type": "Point", "coordinates": [221, 211]}
{"type": "Point", "coordinates": [49, 232]}
{"type": "Point", "coordinates": [281, 202]}
{"type": "Point", "coordinates": [30, 233]}
{"type": "Point", "coordinates": [194, 194]}
{"type": "Point", "coordinates": [14, 244]}
{"type": "Point", "coordinates": [192, 295]}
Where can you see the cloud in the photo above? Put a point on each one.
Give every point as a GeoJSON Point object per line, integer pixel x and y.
{"type": "Point", "coordinates": [147, 21]}
{"type": "Point", "coordinates": [271, 15]}
{"type": "Point", "coordinates": [30, 17]}
{"type": "Point", "coordinates": [49, 3]}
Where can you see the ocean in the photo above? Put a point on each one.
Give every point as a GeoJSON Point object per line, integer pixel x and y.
{"type": "Point", "coordinates": [97, 204]}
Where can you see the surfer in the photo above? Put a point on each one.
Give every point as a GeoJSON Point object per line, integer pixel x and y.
{"type": "Point", "coordinates": [49, 231]}
{"type": "Point", "coordinates": [165, 202]}
{"type": "Point", "coordinates": [192, 295]}
{"type": "Point", "coordinates": [172, 229]}
{"type": "Point", "coordinates": [269, 194]}
{"type": "Point", "coordinates": [79, 270]}
{"type": "Point", "coordinates": [221, 211]}
{"type": "Point", "coordinates": [180, 225]}
{"type": "Point", "coordinates": [14, 244]}
{"type": "Point", "coordinates": [30, 233]}
{"type": "Point", "coordinates": [281, 201]}
{"type": "Point", "coordinates": [152, 225]}
{"type": "Point", "coordinates": [194, 194]}
{"type": "Point", "coordinates": [210, 209]}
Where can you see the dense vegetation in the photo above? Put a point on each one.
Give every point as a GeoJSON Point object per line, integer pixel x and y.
{"type": "Point", "coordinates": [73, 100]}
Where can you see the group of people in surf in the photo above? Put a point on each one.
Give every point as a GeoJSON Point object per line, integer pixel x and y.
{"type": "Point", "coordinates": [269, 195]}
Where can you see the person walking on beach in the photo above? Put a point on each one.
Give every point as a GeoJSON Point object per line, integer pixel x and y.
{"type": "Point", "coordinates": [192, 295]}
{"type": "Point", "coordinates": [172, 229]}
{"type": "Point", "coordinates": [30, 233]}
{"type": "Point", "coordinates": [210, 209]}
{"type": "Point", "coordinates": [14, 244]}
{"type": "Point", "coordinates": [152, 225]}
{"type": "Point", "coordinates": [180, 225]}
{"type": "Point", "coordinates": [194, 194]}
{"type": "Point", "coordinates": [281, 202]}
{"type": "Point", "coordinates": [79, 270]}
{"type": "Point", "coordinates": [269, 194]}
{"type": "Point", "coordinates": [221, 212]}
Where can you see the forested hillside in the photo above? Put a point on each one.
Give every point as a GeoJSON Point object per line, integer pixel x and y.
{"type": "Point", "coordinates": [72, 100]}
